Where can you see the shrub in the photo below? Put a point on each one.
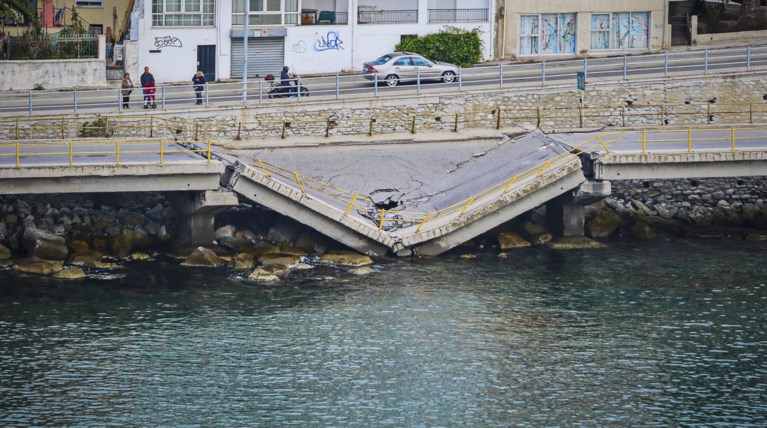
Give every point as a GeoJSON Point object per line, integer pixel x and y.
{"type": "Point", "coordinates": [453, 45]}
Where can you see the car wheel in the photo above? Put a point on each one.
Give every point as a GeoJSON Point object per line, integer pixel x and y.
{"type": "Point", "coordinates": [392, 80]}
{"type": "Point", "coordinates": [448, 77]}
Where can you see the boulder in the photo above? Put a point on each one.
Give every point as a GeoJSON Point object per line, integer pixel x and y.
{"type": "Point", "coordinates": [227, 231]}
{"type": "Point", "coordinates": [242, 261]}
{"type": "Point", "coordinates": [45, 245]}
{"type": "Point", "coordinates": [203, 257]}
{"type": "Point", "coordinates": [603, 225]}
{"type": "Point", "coordinates": [641, 230]}
{"type": "Point", "coordinates": [78, 246]}
{"type": "Point", "coordinates": [510, 241]}
{"type": "Point", "coordinates": [283, 232]}
{"type": "Point", "coordinates": [38, 266]}
{"type": "Point", "coordinates": [262, 276]}
{"type": "Point", "coordinates": [5, 252]}
{"type": "Point", "coordinates": [541, 238]}
{"type": "Point", "coordinates": [120, 245]}
{"type": "Point", "coordinates": [70, 272]}
{"type": "Point", "coordinates": [292, 251]}
{"type": "Point", "coordinates": [346, 258]}
{"type": "Point", "coordinates": [279, 259]}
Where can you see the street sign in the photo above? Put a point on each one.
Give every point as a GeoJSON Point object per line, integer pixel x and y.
{"type": "Point", "coordinates": [581, 80]}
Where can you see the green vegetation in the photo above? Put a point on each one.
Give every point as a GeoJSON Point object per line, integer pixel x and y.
{"type": "Point", "coordinates": [453, 45]}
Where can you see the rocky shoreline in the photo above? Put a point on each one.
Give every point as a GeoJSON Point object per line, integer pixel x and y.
{"type": "Point", "coordinates": [78, 236]}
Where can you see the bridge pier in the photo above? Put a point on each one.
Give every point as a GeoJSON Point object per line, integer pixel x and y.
{"type": "Point", "coordinates": [198, 212]}
{"type": "Point", "coordinates": [565, 214]}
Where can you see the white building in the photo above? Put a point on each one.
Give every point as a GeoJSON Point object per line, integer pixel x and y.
{"type": "Point", "coordinates": [175, 38]}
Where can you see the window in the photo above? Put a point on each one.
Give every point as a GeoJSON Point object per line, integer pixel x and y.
{"type": "Point", "coordinates": [550, 33]}
{"type": "Point", "coordinates": [624, 30]}
{"type": "Point", "coordinates": [89, 3]}
{"type": "Point", "coordinates": [183, 13]}
{"type": "Point", "coordinates": [265, 12]}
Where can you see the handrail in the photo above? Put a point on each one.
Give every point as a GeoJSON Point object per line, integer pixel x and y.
{"type": "Point", "coordinates": [72, 149]}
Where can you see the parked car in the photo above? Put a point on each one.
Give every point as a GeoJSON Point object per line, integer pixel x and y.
{"type": "Point", "coordinates": [405, 66]}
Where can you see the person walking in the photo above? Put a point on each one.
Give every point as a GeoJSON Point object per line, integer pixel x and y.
{"type": "Point", "coordinates": [198, 80]}
{"type": "Point", "coordinates": [147, 82]}
{"type": "Point", "coordinates": [127, 88]}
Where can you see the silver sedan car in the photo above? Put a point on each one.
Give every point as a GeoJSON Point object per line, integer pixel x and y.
{"type": "Point", "coordinates": [405, 66]}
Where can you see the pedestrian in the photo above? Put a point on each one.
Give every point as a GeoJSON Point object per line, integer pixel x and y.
{"type": "Point", "coordinates": [198, 80]}
{"type": "Point", "coordinates": [147, 82]}
{"type": "Point", "coordinates": [127, 88]}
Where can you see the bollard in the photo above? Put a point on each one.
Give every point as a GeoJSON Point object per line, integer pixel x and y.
{"type": "Point", "coordinates": [412, 127]}
{"type": "Point", "coordinates": [239, 129]}
{"type": "Point", "coordinates": [372, 121]}
{"type": "Point", "coordinates": [455, 127]}
{"type": "Point", "coordinates": [498, 118]}
{"type": "Point", "coordinates": [284, 125]}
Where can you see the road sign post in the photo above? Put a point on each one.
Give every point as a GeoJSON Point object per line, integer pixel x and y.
{"type": "Point", "coordinates": [581, 78]}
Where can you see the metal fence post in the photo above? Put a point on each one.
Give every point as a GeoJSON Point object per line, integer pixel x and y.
{"type": "Point", "coordinates": [625, 66]}
{"type": "Point", "coordinates": [460, 79]}
{"type": "Point", "coordinates": [748, 57]}
{"type": "Point", "coordinates": [74, 94]}
{"type": "Point", "coordinates": [163, 96]}
{"type": "Point", "coordinates": [298, 87]}
{"type": "Point", "coordinates": [418, 80]}
{"type": "Point", "coordinates": [206, 94]}
{"type": "Point", "coordinates": [260, 91]}
{"type": "Point", "coordinates": [665, 63]}
{"type": "Point", "coordinates": [119, 100]}
{"type": "Point", "coordinates": [543, 72]}
{"type": "Point", "coordinates": [500, 75]}
{"type": "Point", "coordinates": [705, 61]}
{"type": "Point", "coordinates": [30, 103]}
{"type": "Point", "coordinates": [338, 86]}
{"type": "Point", "coordinates": [375, 85]}
{"type": "Point", "coordinates": [585, 68]}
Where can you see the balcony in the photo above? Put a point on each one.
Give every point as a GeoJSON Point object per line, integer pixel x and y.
{"type": "Point", "coordinates": [372, 15]}
{"type": "Point", "coordinates": [458, 15]}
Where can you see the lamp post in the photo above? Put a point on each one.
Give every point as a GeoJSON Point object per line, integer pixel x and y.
{"type": "Point", "coordinates": [245, 54]}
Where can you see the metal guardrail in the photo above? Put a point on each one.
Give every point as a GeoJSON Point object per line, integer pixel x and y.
{"type": "Point", "coordinates": [72, 150]}
{"type": "Point", "coordinates": [458, 15]}
{"type": "Point", "coordinates": [502, 75]}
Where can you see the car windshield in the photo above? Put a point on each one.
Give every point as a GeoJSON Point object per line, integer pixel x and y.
{"type": "Point", "coordinates": [383, 60]}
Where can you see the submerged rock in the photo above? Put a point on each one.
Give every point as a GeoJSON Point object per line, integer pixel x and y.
{"type": "Point", "coordinates": [279, 259]}
{"type": "Point", "coordinates": [38, 266]}
{"type": "Point", "coordinates": [575, 243]}
{"type": "Point", "coordinates": [203, 257]}
{"type": "Point", "coordinates": [362, 271]}
{"type": "Point", "coordinates": [262, 276]}
{"type": "Point", "coordinates": [510, 241]}
{"type": "Point", "coordinates": [70, 272]}
{"type": "Point", "coordinates": [603, 225]}
{"type": "Point", "coordinates": [5, 252]}
{"type": "Point", "coordinates": [346, 258]}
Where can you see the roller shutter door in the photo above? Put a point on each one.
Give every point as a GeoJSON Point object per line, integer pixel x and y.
{"type": "Point", "coordinates": [266, 55]}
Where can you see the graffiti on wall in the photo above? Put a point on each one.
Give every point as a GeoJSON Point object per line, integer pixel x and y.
{"type": "Point", "coordinates": [299, 47]}
{"type": "Point", "coordinates": [330, 42]}
{"type": "Point", "coordinates": [167, 41]}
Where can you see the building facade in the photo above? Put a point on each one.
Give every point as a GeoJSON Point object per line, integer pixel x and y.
{"type": "Point", "coordinates": [175, 38]}
{"type": "Point", "coordinates": [529, 29]}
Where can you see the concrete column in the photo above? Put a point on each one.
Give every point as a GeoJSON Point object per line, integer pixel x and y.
{"type": "Point", "coordinates": [198, 212]}
{"type": "Point", "coordinates": [565, 214]}
{"type": "Point", "coordinates": [564, 218]}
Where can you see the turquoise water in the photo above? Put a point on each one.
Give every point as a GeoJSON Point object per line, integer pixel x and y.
{"type": "Point", "coordinates": [641, 334]}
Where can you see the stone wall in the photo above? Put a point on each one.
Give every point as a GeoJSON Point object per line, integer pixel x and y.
{"type": "Point", "coordinates": [719, 100]}
{"type": "Point", "coordinates": [24, 75]}
{"type": "Point", "coordinates": [711, 192]}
